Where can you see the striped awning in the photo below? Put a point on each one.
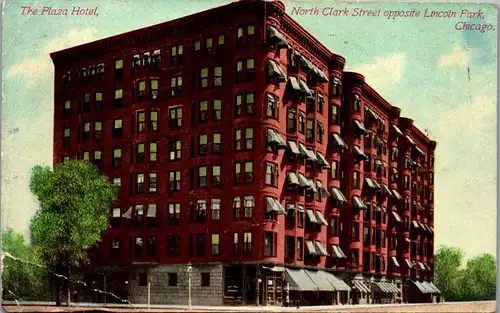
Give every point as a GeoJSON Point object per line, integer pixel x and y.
{"type": "Point", "coordinates": [396, 194]}
{"type": "Point", "coordinates": [337, 252]}
{"type": "Point", "coordinates": [338, 195]}
{"type": "Point", "coordinates": [360, 286]}
{"type": "Point", "coordinates": [408, 263]}
{"type": "Point", "coordinates": [395, 261]}
{"type": "Point", "coordinates": [397, 217]}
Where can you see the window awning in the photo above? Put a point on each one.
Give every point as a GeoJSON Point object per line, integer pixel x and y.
{"type": "Point", "coordinates": [321, 218]}
{"type": "Point", "coordinates": [386, 191]}
{"type": "Point", "coordinates": [303, 182]}
{"type": "Point", "coordinates": [290, 207]}
{"type": "Point", "coordinates": [372, 183]}
{"type": "Point", "coordinates": [427, 267]}
{"type": "Point", "coordinates": [320, 249]}
{"type": "Point", "coordinates": [415, 224]}
{"type": "Point", "coordinates": [292, 82]}
{"type": "Point", "coordinates": [303, 151]}
{"type": "Point", "coordinates": [395, 261]}
{"type": "Point", "coordinates": [359, 127]}
{"type": "Point", "coordinates": [396, 130]}
{"type": "Point", "coordinates": [276, 35]}
{"type": "Point", "coordinates": [337, 253]}
{"type": "Point", "coordinates": [422, 226]}
{"type": "Point", "coordinates": [320, 280]}
{"type": "Point", "coordinates": [271, 205]}
{"type": "Point", "coordinates": [281, 209]}
{"type": "Point", "coordinates": [305, 62]}
{"type": "Point", "coordinates": [397, 217]}
{"type": "Point", "coordinates": [299, 280]}
{"type": "Point", "coordinates": [410, 140]}
{"type": "Point", "coordinates": [379, 162]}
{"type": "Point", "coordinates": [311, 249]}
{"type": "Point", "coordinates": [408, 263]}
{"type": "Point", "coordinates": [151, 211]}
{"type": "Point", "coordinates": [311, 216]}
{"type": "Point", "coordinates": [338, 195]}
{"type": "Point", "coordinates": [322, 190]}
{"type": "Point", "coordinates": [281, 142]}
{"type": "Point", "coordinates": [320, 74]}
{"type": "Point", "coordinates": [357, 203]}
{"type": "Point", "coordinates": [432, 229]}
{"type": "Point", "coordinates": [337, 283]}
{"type": "Point", "coordinates": [312, 185]}
{"type": "Point", "coordinates": [311, 155]}
{"type": "Point", "coordinates": [292, 178]}
{"type": "Point", "coordinates": [273, 69]}
{"type": "Point", "coordinates": [128, 214]}
{"type": "Point", "coordinates": [358, 153]}
{"type": "Point", "coordinates": [304, 88]}
{"type": "Point", "coordinates": [338, 141]}
{"type": "Point", "coordinates": [421, 265]}
{"type": "Point", "coordinates": [419, 151]}
{"type": "Point", "coordinates": [396, 194]}
{"type": "Point", "coordinates": [300, 208]}
{"type": "Point", "coordinates": [370, 114]}
{"type": "Point", "coordinates": [407, 240]}
{"type": "Point", "coordinates": [272, 137]}
{"type": "Point", "coordinates": [321, 160]}
{"type": "Point", "coordinates": [360, 286]}
{"type": "Point", "coordinates": [292, 146]}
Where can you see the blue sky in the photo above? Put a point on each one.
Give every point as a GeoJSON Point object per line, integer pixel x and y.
{"type": "Point", "coordinates": [420, 65]}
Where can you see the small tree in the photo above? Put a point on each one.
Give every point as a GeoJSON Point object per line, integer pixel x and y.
{"type": "Point", "coordinates": [22, 279]}
{"type": "Point", "coordinates": [447, 272]}
{"type": "Point", "coordinates": [479, 278]}
{"type": "Point", "coordinates": [74, 205]}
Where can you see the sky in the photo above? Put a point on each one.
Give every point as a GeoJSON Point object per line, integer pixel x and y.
{"type": "Point", "coordinates": [443, 78]}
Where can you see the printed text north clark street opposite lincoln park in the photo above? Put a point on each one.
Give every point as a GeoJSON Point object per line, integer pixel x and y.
{"type": "Point", "coordinates": [52, 11]}
{"type": "Point", "coordinates": [463, 16]}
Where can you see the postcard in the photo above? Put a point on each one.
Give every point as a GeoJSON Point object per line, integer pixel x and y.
{"type": "Point", "coordinates": [213, 154]}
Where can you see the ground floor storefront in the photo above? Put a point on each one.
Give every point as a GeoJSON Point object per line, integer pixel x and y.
{"type": "Point", "coordinates": [220, 284]}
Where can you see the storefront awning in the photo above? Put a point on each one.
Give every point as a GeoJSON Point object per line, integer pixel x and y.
{"type": "Point", "coordinates": [311, 249]}
{"type": "Point", "coordinates": [273, 69]}
{"type": "Point", "coordinates": [292, 178]}
{"type": "Point", "coordinates": [397, 217]}
{"type": "Point", "coordinates": [293, 83]}
{"type": "Point", "coordinates": [276, 269]}
{"type": "Point", "coordinates": [321, 218]}
{"type": "Point", "coordinates": [337, 283]}
{"type": "Point", "coordinates": [338, 141]}
{"type": "Point", "coordinates": [392, 287]}
{"type": "Point", "coordinates": [299, 280]}
{"type": "Point", "coordinates": [311, 216]}
{"type": "Point", "coordinates": [357, 203]}
{"type": "Point", "coordinates": [337, 253]}
{"type": "Point", "coordinates": [320, 280]}
{"type": "Point", "coordinates": [321, 160]}
{"type": "Point", "coordinates": [292, 146]}
{"type": "Point", "coordinates": [396, 194]}
{"type": "Point", "coordinates": [381, 287]}
{"type": "Point", "coordinates": [419, 286]}
{"type": "Point", "coordinates": [338, 195]}
{"type": "Point", "coordinates": [433, 287]}
{"type": "Point", "coordinates": [320, 249]}
{"type": "Point", "coordinates": [359, 154]}
{"type": "Point", "coordinates": [360, 286]}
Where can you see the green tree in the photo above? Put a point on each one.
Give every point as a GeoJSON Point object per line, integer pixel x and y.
{"type": "Point", "coordinates": [22, 279]}
{"type": "Point", "coordinates": [478, 279]}
{"type": "Point", "coordinates": [447, 275]}
{"type": "Point", "coordinates": [74, 205]}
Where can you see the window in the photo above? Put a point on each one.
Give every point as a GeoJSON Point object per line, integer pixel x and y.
{"type": "Point", "coordinates": [196, 45]}
{"type": "Point", "coordinates": [302, 118]}
{"type": "Point", "coordinates": [139, 154]}
{"type": "Point", "coordinates": [208, 45]}
{"type": "Point", "coordinates": [98, 130]}
{"type": "Point", "coordinates": [300, 216]}
{"type": "Point", "coordinates": [201, 210]}
{"type": "Point", "coordinates": [139, 245]}
{"type": "Point", "coordinates": [115, 248]}
{"type": "Point", "coordinates": [250, 70]}
{"type": "Point", "coordinates": [235, 243]}
{"type": "Point", "coordinates": [152, 182]}
{"type": "Point", "coordinates": [291, 125]}
{"type": "Point", "coordinates": [356, 103]}
{"type": "Point", "coordinates": [237, 173]}
{"type": "Point", "coordinates": [320, 103]}
{"type": "Point", "coordinates": [98, 105]}
{"type": "Point", "coordinates": [335, 114]}
{"type": "Point", "coordinates": [310, 102]}
{"type": "Point", "coordinates": [118, 99]}
{"type": "Point", "coordinates": [269, 249]}
{"type": "Point", "coordinates": [205, 279]}
{"type": "Point", "coordinates": [117, 158]}
{"type": "Point", "coordinates": [174, 213]}
{"type": "Point", "coordinates": [67, 109]}
{"type": "Point", "coordinates": [236, 207]}
{"type": "Point", "coordinates": [239, 71]}
{"type": "Point", "coordinates": [394, 154]}
{"type": "Point", "coordinates": [334, 169]}
{"type": "Point", "coordinates": [200, 245]}
{"type": "Point", "coordinates": [249, 205]}
{"type": "Point", "coordinates": [300, 244]}
{"type": "Point", "coordinates": [290, 216]}
{"type": "Point", "coordinates": [310, 130]}
{"type": "Point", "coordinates": [366, 236]}
{"type": "Point", "coordinates": [249, 138]}
{"type": "Point", "coordinates": [271, 108]}
{"type": "Point", "coordinates": [237, 106]}
{"type": "Point", "coordinates": [355, 180]}
{"type": "Point", "coordinates": [354, 257]}
{"type": "Point", "coordinates": [85, 156]}
{"type": "Point", "coordinates": [97, 157]}
{"type": "Point", "coordinates": [86, 103]}
{"type": "Point", "coordinates": [250, 103]}
{"type": "Point", "coordinates": [203, 112]}
{"type": "Point", "coordinates": [141, 90]}
{"type": "Point", "coordinates": [215, 244]}
{"type": "Point", "coordinates": [355, 231]}
{"type": "Point", "coordinates": [272, 174]}
{"type": "Point", "coordinates": [334, 230]}
{"type": "Point", "coordinates": [117, 129]}
{"type": "Point", "coordinates": [383, 238]}
{"type": "Point", "coordinates": [217, 116]}
{"type": "Point", "coordinates": [204, 77]}
{"type": "Point", "coordinates": [174, 150]}
{"type": "Point", "coordinates": [172, 279]}
{"type": "Point", "coordinates": [217, 143]}
{"type": "Point", "coordinates": [216, 176]}
{"type": "Point", "coordinates": [118, 68]}
{"type": "Point", "coordinates": [173, 246]}
{"type": "Point", "coordinates": [203, 145]}
{"type": "Point", "coordinates": [248, 179]}
{"type": "Point", "coordinates": [337, 87]}
{"type": "Point", "coordinates": [175, 86]}
{"type": "Point", "coordinates": [247, 243]}
{"type": "Point", "coordinates": [141, 122]}
{"type": "Point", "coordinates": [431, 178]}
{"type": "Point", "coordinates": [202, 176]}
{"type": "Point", "coordinates": [176, 117]}
{"type": "Point", "coordinates": [86, 132]}
{"type": "Point", "coordinates": [217, 76]}
{"type": "Point", "coordinates": [174, 181]}
{"type": "Point", "coordinates": [151, 248]}
{"type": "Point", "coordinates": [139, 186]}
{"type": "Point", "coordinates": [215, 209]}
{"type": "Point", "coordinates": [406, 182]}
{"type": "Point", "coordinates": [320, 132]}
{"type": "Point", "coordinates": [220, 39]}
{"type": "Point", "coordinates": [139, 215]}
{"type": "Point", "coordinates": [153, 150]}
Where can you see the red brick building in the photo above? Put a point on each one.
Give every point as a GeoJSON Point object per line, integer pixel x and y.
{"type": "Point", "coordinates": [242, 146]}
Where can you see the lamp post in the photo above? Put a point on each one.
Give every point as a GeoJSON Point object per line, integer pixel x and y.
{"type": "Point", "coordinates": [126, 286]}
{"type": "Point", "coordinates": [189, 270]}
{"type": "Point", "coordinates": [287, 290]}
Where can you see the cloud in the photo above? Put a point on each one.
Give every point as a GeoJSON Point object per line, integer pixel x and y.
{"type": "Point", "coordinates": [384, 72]}
{"type": "Point", "coordinates": [459, 57]}
{"type": "Point", "coordinates": [42, 64]}
{"type": "Point", "coordinates": [471, 118]}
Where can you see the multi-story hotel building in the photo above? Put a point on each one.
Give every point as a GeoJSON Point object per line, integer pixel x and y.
{"type": "Point", "coordinates": [241, 146]}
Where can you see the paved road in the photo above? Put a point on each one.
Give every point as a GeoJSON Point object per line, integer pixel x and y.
{"type": "Point", "coordinates": [484, 306]}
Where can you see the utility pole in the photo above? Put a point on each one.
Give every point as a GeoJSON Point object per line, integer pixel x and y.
{"type": "Point", "coordinates": [149, 293]}
{"type": "Point", "coordinates": [189, 270]}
